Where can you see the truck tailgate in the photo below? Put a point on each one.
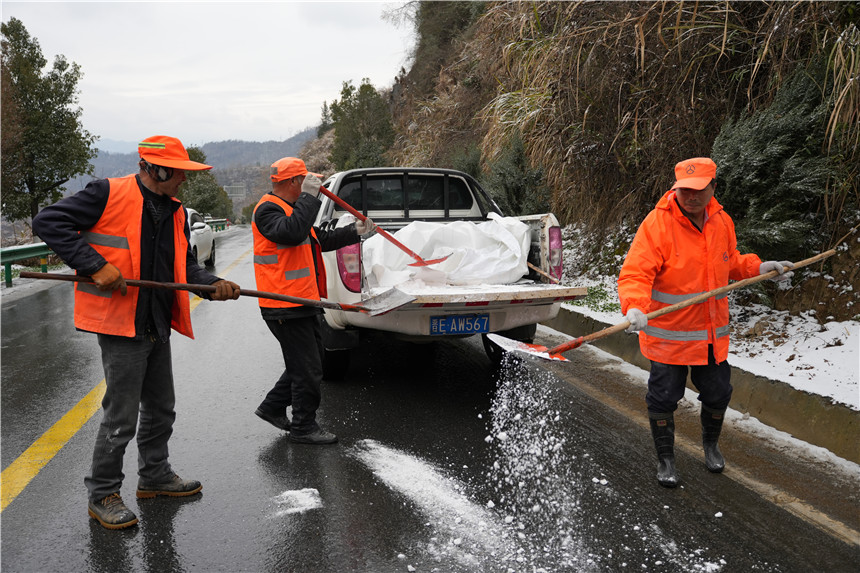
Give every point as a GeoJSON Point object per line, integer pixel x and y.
{"type": "Point", "coordinates": [488, 295]}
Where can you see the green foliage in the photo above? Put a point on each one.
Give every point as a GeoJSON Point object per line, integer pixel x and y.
{"type": "Point", "coordinates": [325, 120]}
{"type": "Point", "coordinates": [519, 188]}
{"type": "Point", "coordinates": [772, 174]}
{"type": "Point", "coordinates": [51, 144]}
{"type": "Point", "coordinates": [599, 299]}
{"type": "Point", "coordinates": [438, 25]}
{"type": "Point", "coordinates": [467, 159]}
{"type": "Point", "coordinates": [248, 212]}
{"type": "Point", "coordinates": [201, 191]}
{"type": "Point", "coordinates": [363, 128]}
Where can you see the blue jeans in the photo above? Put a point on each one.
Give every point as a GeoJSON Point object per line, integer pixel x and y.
{"type": "Point", "coordinates": [139, 378]}
{"type": "Point", "coordinates": [667, 382]}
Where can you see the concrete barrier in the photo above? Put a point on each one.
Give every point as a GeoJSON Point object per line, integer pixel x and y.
{"type": "Point", "coordinates": [809, 417]}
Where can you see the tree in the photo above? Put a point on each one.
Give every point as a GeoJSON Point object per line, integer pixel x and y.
{"type": "Point", "coordinates": [52, 145]}
{"type": "Point", "coordinates": [325, 120]}
{"type": "Point", "coordinates": [201, 191]}
{"type": "Point", "coordinates": [363, 128]}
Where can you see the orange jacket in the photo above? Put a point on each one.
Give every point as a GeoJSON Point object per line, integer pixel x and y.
{"type": "Point", "coordinates": [670, 261]}
{"type": "Point", "coordinates": [292, 270]}
{"type": "Point", "coordinates": [116, 237]}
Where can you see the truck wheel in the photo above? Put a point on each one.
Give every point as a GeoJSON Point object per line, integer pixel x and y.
{"type": "Point", "coordinates": [335, 364]}
{"type": "Point", "coordinates": [525, 333]}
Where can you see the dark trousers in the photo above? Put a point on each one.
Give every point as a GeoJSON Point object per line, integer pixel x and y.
{"type": "Point", "coordinates": [667, 382]}
{"type": "Point", "coordinates": [139, 379]}
{"type": "Point", "coordinates": [299, 385]}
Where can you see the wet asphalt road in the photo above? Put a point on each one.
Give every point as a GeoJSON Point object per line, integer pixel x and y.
{"type": "Point", "coordinates": [443, 464]}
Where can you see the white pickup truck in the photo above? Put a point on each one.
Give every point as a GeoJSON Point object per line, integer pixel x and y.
{"type": "Point", "coordinates": [397, 196]}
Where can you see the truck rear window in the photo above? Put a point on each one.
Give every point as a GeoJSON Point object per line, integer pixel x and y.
{"type": "Point", "coordinates": [417, 195]}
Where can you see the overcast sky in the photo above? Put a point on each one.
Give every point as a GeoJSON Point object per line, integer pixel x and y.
{"type": "Point", "coordinates": [212, 71]}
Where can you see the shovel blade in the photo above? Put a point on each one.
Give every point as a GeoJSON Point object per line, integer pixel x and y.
{"type": "Point", "coordinates": [518, 347]}
{"type": "Point", "coordinates": [425, 263]}
{"type": "Point", "coordinates": [391, 299]}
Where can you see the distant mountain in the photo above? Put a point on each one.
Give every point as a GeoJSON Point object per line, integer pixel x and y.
{"type": "Point", "coordinates": [114, 146]}
{"type": "Point", "coordinates": [220, 154]}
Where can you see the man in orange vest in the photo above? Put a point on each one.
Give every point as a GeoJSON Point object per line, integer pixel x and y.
{"type": "Point", "coordinates": [288, 260]}
{"type": "Point", "coordinates": [684, 247]}
{"type": "Point", "coordinates": [132, 227]}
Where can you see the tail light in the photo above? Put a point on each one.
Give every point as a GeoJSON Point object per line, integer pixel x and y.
{"type": "Point", "coordinates": [555, 252]}
{"type": "Point", "coordinates": [349, 266]}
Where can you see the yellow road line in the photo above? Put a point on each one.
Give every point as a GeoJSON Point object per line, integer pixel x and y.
{"type": "Point", "coordinates": [27, 466]}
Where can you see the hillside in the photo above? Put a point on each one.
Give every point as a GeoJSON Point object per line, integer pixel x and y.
{"type": "Point", "coordinates": [593, 103]}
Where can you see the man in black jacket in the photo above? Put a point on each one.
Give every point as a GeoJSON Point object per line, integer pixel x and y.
{"type": "Point", "coordinates": [132, 227]}
{"type": "Point", "coordinates": [287, 260]}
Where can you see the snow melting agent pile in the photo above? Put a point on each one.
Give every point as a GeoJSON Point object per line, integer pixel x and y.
{"type": "Point", "coordinates": [490, 252]}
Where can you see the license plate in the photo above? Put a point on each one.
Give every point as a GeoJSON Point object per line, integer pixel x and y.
{"type": "Point", "coordinates": [460, 324]}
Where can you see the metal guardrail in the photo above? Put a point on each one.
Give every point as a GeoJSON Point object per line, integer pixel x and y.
{"type": "Point", "coordinates": [217, 224]}
{"type": "Point", "coordinates": [9, 255]}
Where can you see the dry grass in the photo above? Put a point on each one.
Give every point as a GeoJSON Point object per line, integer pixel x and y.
{"type": "Point", "coordinates": [608, 96]}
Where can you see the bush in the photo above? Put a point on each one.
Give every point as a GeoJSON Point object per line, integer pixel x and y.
{"type": "Point", "coordinates": [772, 176]}
{"type": "Point", "coordinates": [519, 188]}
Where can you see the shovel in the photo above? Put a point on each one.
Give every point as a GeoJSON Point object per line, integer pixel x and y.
{"type": "Point", "coordinates": [555, 353]}
{"type": "Point", "coordinates": [419, 262]}
{"type": "Point", "coordinates": [380, 304]}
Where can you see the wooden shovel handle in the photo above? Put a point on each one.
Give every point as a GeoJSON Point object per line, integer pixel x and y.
{"type": "Point", "coordinates": [200, 288]}
{"type": "Point", "coordinates": [577, 342]}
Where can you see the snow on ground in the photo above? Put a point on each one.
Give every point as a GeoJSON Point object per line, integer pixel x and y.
{"type": "Point", "coordinates": [814, 358]}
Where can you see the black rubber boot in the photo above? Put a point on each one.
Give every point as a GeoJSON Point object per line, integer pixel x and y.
{"type": "Point", "coordinates": [663, 432]}
{"type": "Point", "coordinates": [712, 424]}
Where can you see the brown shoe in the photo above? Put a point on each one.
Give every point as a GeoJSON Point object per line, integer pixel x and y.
{"type": "Point", "coordinates": [111, 512]}
{"type": "Point", "coordinates": [175, 486]}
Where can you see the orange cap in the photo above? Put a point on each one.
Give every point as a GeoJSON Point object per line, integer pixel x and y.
{"type": "Point", "coordinates": [695, 173]}
{"type": "Point", "coordinates": [167, 151]}
{"type": "Point", "coordinates": [288, 167]}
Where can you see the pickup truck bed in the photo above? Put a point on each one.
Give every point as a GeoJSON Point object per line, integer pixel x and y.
{"type": "Point", "coordinates": [394, 197]}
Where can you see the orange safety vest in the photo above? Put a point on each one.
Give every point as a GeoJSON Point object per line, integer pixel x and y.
{"type": "Point", "coordinates": [292, 270]}
{"type": "Point", "coordinates": [671, 261]}
{"type": "Point", "coordinates": [116, 237]}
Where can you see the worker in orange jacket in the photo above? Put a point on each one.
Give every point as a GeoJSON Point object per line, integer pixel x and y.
{"type": "Point", "coordinates": [684, 247]}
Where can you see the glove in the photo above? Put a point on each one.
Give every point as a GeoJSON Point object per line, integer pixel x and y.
{"type": "Point", "coordinates": [777, 266]}
{"type": "Point", "coordinates": [637, 319]}
{"type": "Point", "coordinates": [311, 185]}
{"type": "Point", "coordinates": [365, 228]}
{"type": "Point", "coordinates": [109, 278]}
{"type": "Point", "coordinates": [225, 290]}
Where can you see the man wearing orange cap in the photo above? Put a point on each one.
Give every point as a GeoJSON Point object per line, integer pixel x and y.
{"type": "Point", "coordinates": [288, 260]}
{"type": "Point", "coordinates": [132, 227]}
{"type": "Point", "coordinates": [684, 247]}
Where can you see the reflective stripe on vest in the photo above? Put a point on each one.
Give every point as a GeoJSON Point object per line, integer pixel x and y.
{"type": "Point", "coordinates": [667, 298]}
{"type": "Point", "coordinates": [116, 237]}
{"type": "Point", "coordinates": [683, 336]}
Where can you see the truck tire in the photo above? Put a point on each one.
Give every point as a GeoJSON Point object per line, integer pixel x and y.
{"type": "Point", "coordinates": [335, 364]}
{"type": "Point", "coordinates": [525, 333]}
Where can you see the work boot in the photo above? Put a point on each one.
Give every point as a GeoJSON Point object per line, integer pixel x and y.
{"type": "Point", "coordinates": [712, 424]}
{"type": "Point", "coordinates": [663, 432]}
{"type": "Point", "coordinates": [317, 437]}
{"type": "Point", "coordinates": [174, 486]}
{"type": "Point", "coordinates": [111, 512]}
{"type": "Point", "coordinates": [280, 422]}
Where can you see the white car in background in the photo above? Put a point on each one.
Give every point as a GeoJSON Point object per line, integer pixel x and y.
{"type": "Point", "coordinates": [202, 239]}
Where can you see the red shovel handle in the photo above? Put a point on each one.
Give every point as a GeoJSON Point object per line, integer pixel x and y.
{"type": "Point", "coordinates": [379, 230]}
